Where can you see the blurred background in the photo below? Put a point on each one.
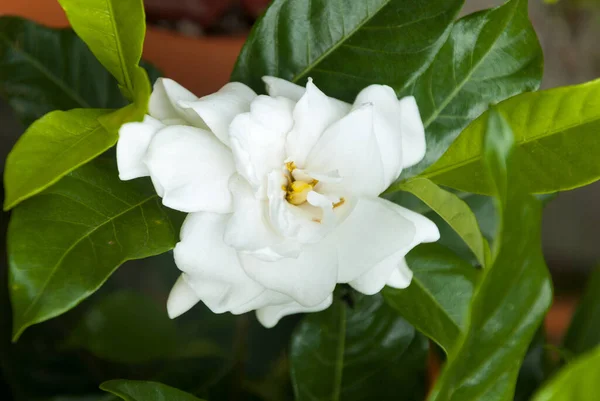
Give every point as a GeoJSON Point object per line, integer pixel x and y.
{"type": "Point", "coordinates": [49, 357]}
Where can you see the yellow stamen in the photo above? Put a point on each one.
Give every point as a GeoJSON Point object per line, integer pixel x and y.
{"type": "Point", "coordinates": [290, 166]}
{"type": "Point", "coordinates": [340, 203]}
{"type": "Point", "coordinates": [297, 192]}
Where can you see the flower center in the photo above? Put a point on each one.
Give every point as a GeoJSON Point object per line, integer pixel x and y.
{"type": "Point", "coordinates": [297, 190]}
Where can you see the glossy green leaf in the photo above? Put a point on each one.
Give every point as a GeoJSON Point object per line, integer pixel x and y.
{"type": "Point", "coordinates": [584, 331]}
{"type": "Point", "coordinates": [490, 56]}
{"type": "Point", "coordinates": [114, 30]}
{"type": "Point", "coordinates": [554, 131]}
{"type": "Point", "coordinates": [357, 352]}
{"type": "Point", "coordinates": [126, 327]}
{"type": "Point", "coordinates": [44, 69]}
{"type": "Point", "coordinates": [437, 300]}
{"type": "Point", "coordinates": [132, 390]}
{"type": "Point", "coordinates": [577, 381]}
{"type": "Point", "coordinates": [513, 294]}
{"type": "Point", "coordinates": [345, 45]}
{"type": "Point", "coordinates": [52, 147]}
{"type": "Point", "coordinates": [454, 211]}
{"type": "Point", "coordinates": [65, 242]}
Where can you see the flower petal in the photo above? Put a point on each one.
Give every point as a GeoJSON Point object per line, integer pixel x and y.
{"type": "Point", "coordinates": [218, 109]}
{"type": "Point", "coordinates": [371, 233]}
{"type": "Point", "coordinates": [386, 127]}
{"type": "Point", "coordinates": [407, 135]}
{"type": "Point", "coordinates": [257, 139]}
{"type": "Point", "coordinates": [164, 104]}
{"type": "Point", "coordinates": [308, 279]}
{"type": "Point", "coordinates": [401, 276]}
{"type": "Point", "coordinates": [181, 298]}
{"type": "Point", "coordinates": [413, 132]}
{"type": "Point", "coordinates": [132, 146]}
{"type": "Point", "coordinates": [212, 268]}
{"type": "Point", "coordinates": [280, 87]}
{"type": "Point", "coordinates": [374, 279]}
{"type": "Point", "coordinates": [350, 146]}
{"type": "Point", "coordinates": [313, 113]}
{"type": "Point", "coordinates": [248, 229]}
{"type": "Point", "coordinates": [269, 316]}
{"type": "Point", "coordinates": [191, 167]}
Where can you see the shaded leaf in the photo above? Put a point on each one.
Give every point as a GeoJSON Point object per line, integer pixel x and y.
{"type": "Point", "coordinates": [535, 369]}
{"type": "Point", "coordinates": [554, 130]}
{"type": "Point", "coordinates": [44, 69]}
{"type": "Point", "coordinates": [584, 331]}
{"type": "Point", "coordinates": [132, 390]}
{"type": "Point", "coordinates": [490, 55]}
{"type": "Point", "coordinates": [513, 295]}
{"type": "Point", "coordinates": [576, 381]}
{"type": "Point", "coordinates": [114, 31]}
{"type": "Point", "coordinates": [454, 211]}
{"type": "Point", "coordinates": [52, 147]}
{"type": "Point", "coordinates": [437, 300]}
{"type": "Point", "coordinates": [65, 242]}
{"type": "Point", "coordinates": [126, 327]}
{"type": "Point", "coordinates": [357, 353]}
{"type": "Point", "coordinates": [345, 45]}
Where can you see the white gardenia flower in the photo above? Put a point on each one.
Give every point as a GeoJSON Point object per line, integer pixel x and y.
{"type": "Point", "coordinates": [282, 192]}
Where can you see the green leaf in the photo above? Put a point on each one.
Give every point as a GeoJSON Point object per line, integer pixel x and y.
{"type": "Point", "coordinates": [490, 56]}
{"type": "Point", "coordinates": [65, 242]}
{"type": "Point", "coordinates": [126, 327]}
{"type": "Point", "coordinates": [437, 300]}
{"type": "Point", "coordinates": [454, 211]}
{"type": "Point", "coordinates": [357, 352]}
{"type": "Point", "coordinates": [584, 331]}
{"type": "Point", "coordinates": [345, 45]}
{"type": "Point", "coordinates": [114, 30]}
{"type": "Point", "coordinates": [43, 69]}
{"type": "Point", "coordinates": [132, 390]}
{"type": "Point", "coordinates": [576, 381]}
{"type": "Point", "coordinates": [554, 131]}
{"type": "Point", "coordinates": [513, 294]}
{"type": "Point", "coordinates": [52, 147]}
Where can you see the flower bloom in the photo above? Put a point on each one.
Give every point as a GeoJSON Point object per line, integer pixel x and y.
{"type": "Point", "coordinates": [282, 192]}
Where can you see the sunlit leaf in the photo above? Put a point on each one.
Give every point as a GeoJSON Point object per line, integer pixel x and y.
{"type": "Point", "coordinates": [555, 131]}
{"type": "Point", "coordinates": [514, 292]}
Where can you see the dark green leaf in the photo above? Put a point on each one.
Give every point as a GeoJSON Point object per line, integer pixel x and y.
{"type": "Point", "coordinates": [437, 300]}
{"type": "Point", "coordinates": [554, 131]}
{"type": "Point", "coordinates": [359, 352]}
{"type": "Point", "coordinates": [454, 211]}
{"type": "Point", "coordinates": [513, 295]}
{"type": "Point", "coordinates": [578, 381]}
{"type": "Point", "coordinates": [345, 45]}
{"type": "Point", "coordinates": [52, 147]}
{"type": "Point", "coordinates": [490, 56]}
{"type": "Point", "coordinates": [584, 331]}
{"type": "Point", "coordinates": [114, 30]}
{"type": "Point", "coordinates": [131, 390]}
{"type": "Point", "coordinates": [43, 69]}
{"type": "Point", "coordinates": [65, 242]}
{"type": "Point", "coordinates": [535, 369]}
{"type": "Point", "coordinates": [127, 327]}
